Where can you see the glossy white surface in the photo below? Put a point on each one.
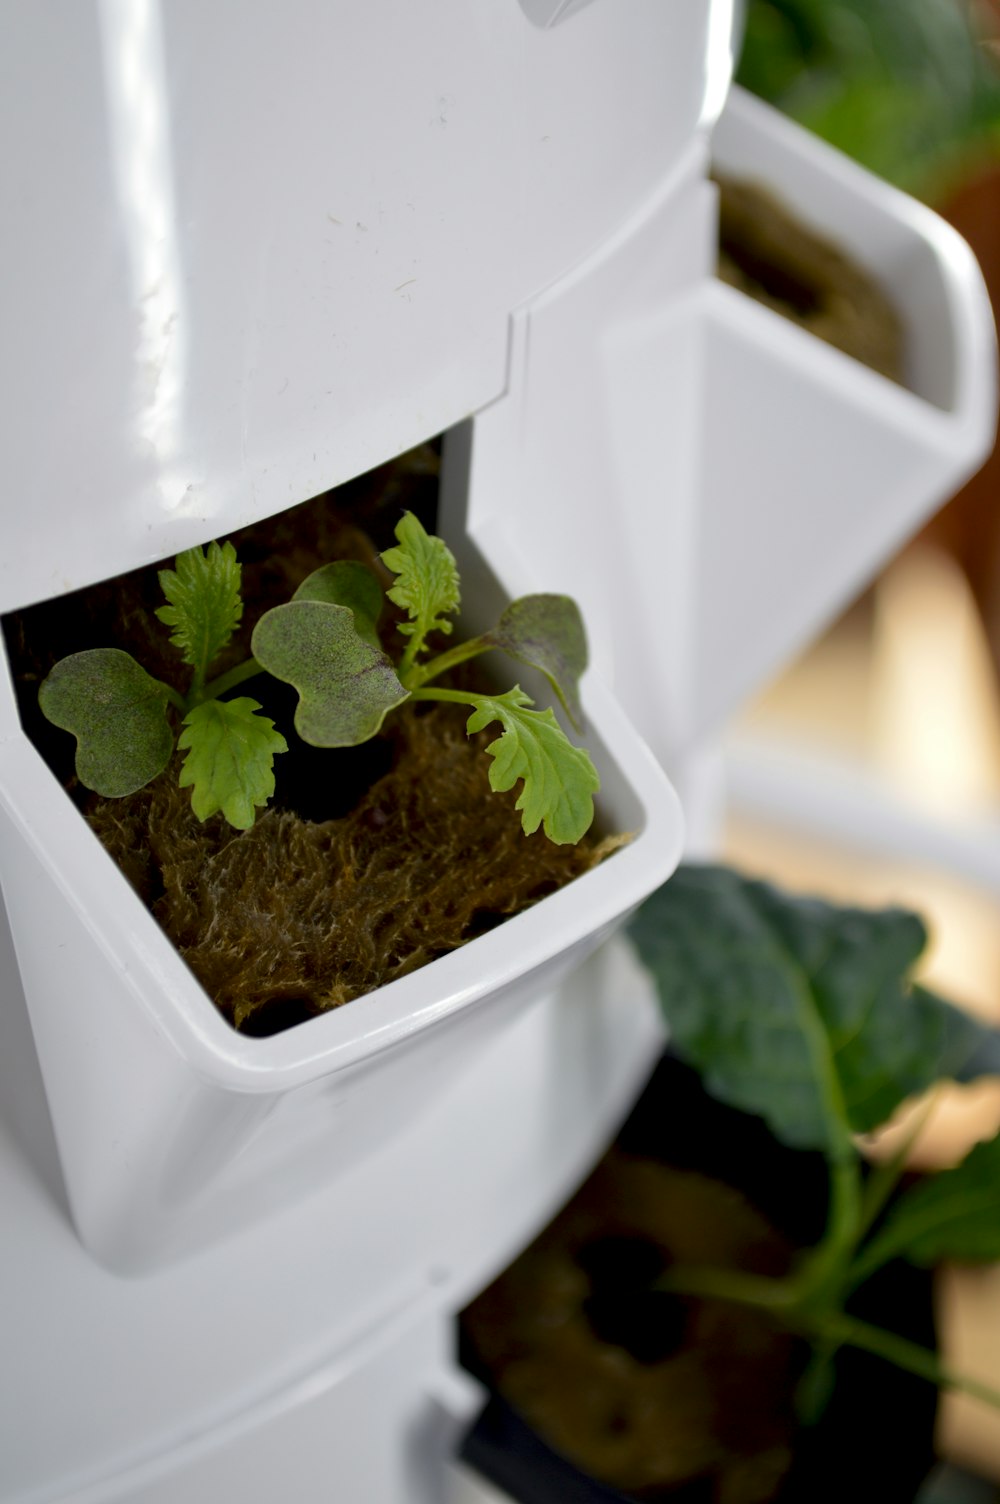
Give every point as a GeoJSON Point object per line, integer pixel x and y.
{"type": "Point", "coordinates": [254, 250]}
{"type": "Point", "coordinates": [710, 481]}
{"type": "Point", "coordinates": [118, 1382]}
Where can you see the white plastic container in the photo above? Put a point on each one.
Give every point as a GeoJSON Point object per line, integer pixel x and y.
{"type": "Point", "coordinates": [172, 1127]}
{"type": "Point", "coordinates": [709, 480]}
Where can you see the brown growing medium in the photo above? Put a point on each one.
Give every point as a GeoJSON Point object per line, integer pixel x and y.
{"type": "Point", "coordinates": [371, 861]}
{"type": "Point", "coordinates": [294, 916]}
{"type": "Point", "coordinates": [768, 253]}
{"type": "Point", "coordinates": [644, 1399]}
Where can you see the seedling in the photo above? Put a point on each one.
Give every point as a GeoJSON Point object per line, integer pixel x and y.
{"type": "Point", "coordinates": [805, 1014]}
{"type": "Point", "coordinates": [325, 643]}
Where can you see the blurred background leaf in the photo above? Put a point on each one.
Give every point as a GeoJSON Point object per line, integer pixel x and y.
{"type": "Point", "coordinates": [910, 88]}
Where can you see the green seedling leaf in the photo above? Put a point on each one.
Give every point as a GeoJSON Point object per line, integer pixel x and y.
{"type": "Point", "coordinates": [546, 632]}
{"type": "Point", "coordinates": [229, 765]}
{"type": "Point", "coordinates": [346, 687]}
{"type": "Point", "coordinates": [559, 779]}
{"type": "Point", "coordinates": [118, 714]}
{"type": "Point", "coordinates": [204, 606]}
{"type": "Point", "coordinates": [954, 1214]}
{"type": "Point", "coordinates": [428, 586]}
{"type": "Point", "coordinates": [796, 1009]}
{"type": "Point", "coordinates": [347, 584]}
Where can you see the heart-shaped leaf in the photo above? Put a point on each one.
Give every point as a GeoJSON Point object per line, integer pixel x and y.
{"type": "Point", "coordinates": [118, 714]}
{"type": "Point", "coordinates": [346, 687]}
{"type": "Point", "coordinates": [229, 765]}
{"type": "Point", "coordinates": [796, 1009]}
{"type": "Point", "coordinates": [547, 632]}
{"type": "Point", "coordinates": [346, 583]}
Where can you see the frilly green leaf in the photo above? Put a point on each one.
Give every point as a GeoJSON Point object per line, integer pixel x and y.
{"type": "Point", "coordinates": [204, 606]}
{"type": "Point", "coordinates": [427, 587]}
{"type": "Point", "coordinates": [559, 779]}
{"type": "Point", "coordinates": [796, 1009]}
{"type": "Point", "coordinates": [547, 632]}
{"type": "Point", "coordinates": [118, 714]}
{"type": "Point", "coordinates": [229, 765]}
{"type": "Point", "coordinates": [346, 686]}
{"type": "Point", "coordinates": [346, 583]}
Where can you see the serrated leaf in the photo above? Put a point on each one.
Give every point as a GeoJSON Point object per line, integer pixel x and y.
{"type": "Point", "coordinates": [346, 687]}
{"type": "Point", "coordinates": [427, 587]}
{"type": "Point", "coordinates": [346, 583]}
{"type": "Point", "coordinates": [118, 714]}
{"type": "Point", "coordinates": [796, 1009]}
{"type": "Point", "coordinates": [954, 1214]}
{"type": "Point", "coordinates": [559, 779]}
{"type": "Point", "coordinates": [229, 765]}
{"type": "Point", "coordinates": [547, 632]}
{"type": "Point", "coordinates": [204, 606]}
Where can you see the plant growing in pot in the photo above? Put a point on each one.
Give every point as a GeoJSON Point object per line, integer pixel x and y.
{"type": "Point", "coordinates": [707, 1339]}
{"type": "Point", "coordinates": [209, 1109]}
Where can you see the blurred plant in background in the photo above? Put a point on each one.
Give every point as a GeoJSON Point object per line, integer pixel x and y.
{"type": "Point", "coordinates": [910, 88]}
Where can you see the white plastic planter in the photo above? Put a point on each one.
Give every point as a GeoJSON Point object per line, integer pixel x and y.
{"type": "Point", "coordinates": [172, 1128]}
{"type": "Point", "coordinates": [755, 476]}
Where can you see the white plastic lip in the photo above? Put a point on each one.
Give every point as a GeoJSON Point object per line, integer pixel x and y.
{"type": "Point", "coordinates": [169, 994]}
{"type": "Point", "coordinates": [757, 141]}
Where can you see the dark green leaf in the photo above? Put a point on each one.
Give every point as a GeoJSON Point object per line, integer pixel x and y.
{"type": "Point", "coordinates": [559, 779]}
{"type": "Point", "coordinates": [118, 714]}
{"type": "Point", "coordinates": [346, 686]}
{"type": "Point", "coordinates": [204, 607]}
{"type": "Point", "coordinates": [347, 584]}
{"type": "Point", "coordinates": [547, 632]}
{"type": "Point", "coordinates": [951, 1215]}
{"type": "Point", "coordinates": [794, 1008]}
{"type": "Point", "coordinates": [229, 765]}
{"type": "Point", "coordinates": [427, 587]}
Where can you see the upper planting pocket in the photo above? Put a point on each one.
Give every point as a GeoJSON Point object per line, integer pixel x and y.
{"type": "Point", "coordinates": [324, 642]}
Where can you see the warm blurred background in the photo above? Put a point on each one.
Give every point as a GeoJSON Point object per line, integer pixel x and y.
{"type": "Point", "coordinates": [870, 770]}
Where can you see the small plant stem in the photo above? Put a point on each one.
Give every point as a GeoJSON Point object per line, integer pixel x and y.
{"type": "Point", "coordinates": [823, 1272]}
{"type": "Point", "coordinates": [407, 663]}
{"type": "Point", "coordinates": [757, 1290]}
{"type": "Point", "coordinates": [848, 1331]}
{"type": "Point", "coordinates": [452, 696]}
{"type": "Point", "coordinates": [417, 675]}
{"type": "Point", "coordinates": [229, 680]}
{"type": "Point", "coordinates": [177, 700]}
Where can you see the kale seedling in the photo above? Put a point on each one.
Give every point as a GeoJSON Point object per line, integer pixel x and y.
{"type": "Point", "coordinates": [325, 643]}
{"type": "Point", "coordinates": [805, 1013]}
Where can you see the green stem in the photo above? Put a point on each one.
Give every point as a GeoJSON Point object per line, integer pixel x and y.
{"type": "Point", "coordinates": [406, 663]}
{"type": "Point", "coordinates": [731, 1284]}
{"type": "Point", "coordinates": [418, 675]}
{"type": "Point", "coordinates": [452, 696]}
{"type": "Point", "coordinates": [176, 699]}
{"type": "Point", "coordinates": [823, 1271]}
{"type": "Point", "coordinates": [848, 1331]}
{"type": "Point", "coordinates": [229, 680]}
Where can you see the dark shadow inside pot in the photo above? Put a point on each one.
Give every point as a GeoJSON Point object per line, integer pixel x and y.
{"type": "Point", "coordinates": [875, 1439]}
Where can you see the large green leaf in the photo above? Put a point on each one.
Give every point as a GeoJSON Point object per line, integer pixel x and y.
{"type": "Point", "coordinates": [559, 779]}
{"type": "Point", "coordinates": [118, 714]}
{"type": "Point", "coordinates": [547, 632]}
{"type": "Point", "coordinates": [346, 583]}
{"type": "Point", "coordinates": [230, 756]}
{"type": "Point", "coordinates": [951, 1215]}
{"type": "Point", "coordinates": [427, 587]}
{"type": "Point", "coordinates": [346, 686]}
{"type": "Point", "coordinates": [204, 606]}
{"type": "Point", "coordinates": [795, 1008]}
